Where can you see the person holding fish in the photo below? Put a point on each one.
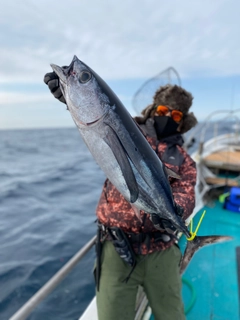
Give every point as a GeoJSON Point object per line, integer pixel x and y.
{"type": "Point", "coordinates": [136, 246]}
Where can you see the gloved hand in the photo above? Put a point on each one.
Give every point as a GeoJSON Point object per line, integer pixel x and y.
{"type": "Point", "coordinates": [52, 81]}
{"type": "Point", "coordinates": [148, 128]}
{"type": "Point", "coordinates": [162, 224]}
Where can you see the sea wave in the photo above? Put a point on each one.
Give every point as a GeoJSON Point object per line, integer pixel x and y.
{"type": "Point", "coordinates": [49, 188]}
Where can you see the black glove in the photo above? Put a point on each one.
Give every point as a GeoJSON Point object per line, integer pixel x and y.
{"type": "Point", "coordinates": [162, 224]}
{"type": "Point", "coordinates": [52, 81]}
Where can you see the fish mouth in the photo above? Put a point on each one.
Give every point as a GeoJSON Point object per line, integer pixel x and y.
{"type": "Point", "coordinates": [70, 67]}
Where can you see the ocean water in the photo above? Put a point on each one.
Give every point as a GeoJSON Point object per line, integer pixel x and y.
{"type": "Point", "coordinates": [49, 189]}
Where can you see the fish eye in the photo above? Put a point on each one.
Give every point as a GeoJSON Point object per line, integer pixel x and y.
{"type": "Point", "coordinates": [85, 76]}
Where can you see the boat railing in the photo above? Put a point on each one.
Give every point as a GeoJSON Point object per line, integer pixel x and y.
{"type": "Point", "coordinates": [42, 293]}
{"type": "Point", "coordinates": [35, 300]}
{"type": "Point", "coordinates": [201, 130]}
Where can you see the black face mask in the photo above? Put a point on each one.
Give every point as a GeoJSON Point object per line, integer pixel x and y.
{"type": "Point", "coordinates": [165, 126]}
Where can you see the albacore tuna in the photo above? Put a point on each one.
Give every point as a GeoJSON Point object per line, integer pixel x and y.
{"type": "Point", "coordinates": [120, 149]}
{"type": "Point", "coordinates": [116, 143]}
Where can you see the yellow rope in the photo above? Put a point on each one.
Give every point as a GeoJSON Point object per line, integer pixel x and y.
{"type": "Point", "coordinates": [193, 234]}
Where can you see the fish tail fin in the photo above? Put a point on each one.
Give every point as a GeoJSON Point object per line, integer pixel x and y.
{"type": "Point", "coordinates": [196, 244]}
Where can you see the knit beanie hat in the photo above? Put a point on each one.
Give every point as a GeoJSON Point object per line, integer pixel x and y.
{"type": "Point", "coordinates": [177, 98]}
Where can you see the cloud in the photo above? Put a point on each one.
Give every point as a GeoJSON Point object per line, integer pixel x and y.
{"type": "Point", "coordinates": [9, 98]}
{"type": "Point", "coordinates": [123, 42]}
{"type": "Point", "coordinates": [130, 39]}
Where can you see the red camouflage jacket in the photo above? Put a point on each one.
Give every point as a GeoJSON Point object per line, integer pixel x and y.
{"type": "Point", "coordinates": [114, 211]}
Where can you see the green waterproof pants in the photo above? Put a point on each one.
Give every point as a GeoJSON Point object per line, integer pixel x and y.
{"type": "Point", "coordinates": [157, 273]}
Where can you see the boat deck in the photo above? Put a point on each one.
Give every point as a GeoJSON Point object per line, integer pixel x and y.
{"type": "Point", "coordinates": [222, 181]}
{"type": "Point", "coordinates": [213, 271]}
{"type": "Point", "coordinates": [227, 160]}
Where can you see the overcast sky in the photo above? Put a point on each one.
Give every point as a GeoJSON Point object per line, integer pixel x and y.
{"type": "Point", "coordinates": [125, 42]}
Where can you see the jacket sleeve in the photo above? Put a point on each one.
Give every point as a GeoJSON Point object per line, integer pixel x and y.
{"type": "Point", "coordinates": [183, 189]}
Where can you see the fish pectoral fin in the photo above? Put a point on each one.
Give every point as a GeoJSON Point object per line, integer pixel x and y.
{"type": "Point", "coordinates": [137, 212]}
{"type": "Point", "coordinates": [172, 174]}
{"type": "Point", "coordinates": [118, 150]}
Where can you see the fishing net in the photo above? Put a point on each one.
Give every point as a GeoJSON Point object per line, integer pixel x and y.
{"type": "Point", "coordinates": [144, 95]}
